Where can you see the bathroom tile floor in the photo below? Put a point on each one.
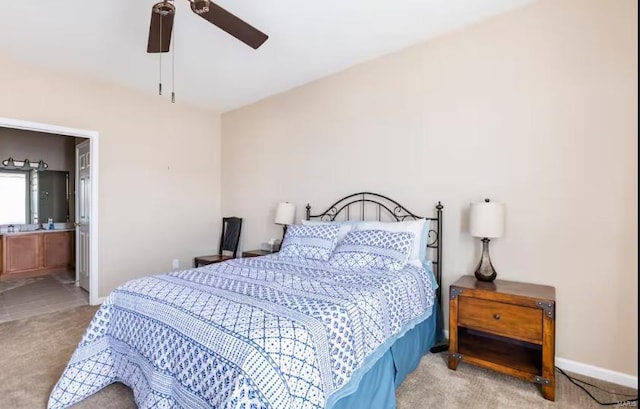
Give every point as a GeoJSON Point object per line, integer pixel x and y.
{"type": "Point", "coordinates": [26, 297]}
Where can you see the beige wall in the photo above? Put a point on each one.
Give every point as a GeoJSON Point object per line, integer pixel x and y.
{"type": "Point", "coordinates": [159, 166]}
{"type": "Point", "coordinates": [535, 108]}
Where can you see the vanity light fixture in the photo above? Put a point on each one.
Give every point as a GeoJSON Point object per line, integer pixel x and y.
{"type": "Point", "coordinates": [24, 164]}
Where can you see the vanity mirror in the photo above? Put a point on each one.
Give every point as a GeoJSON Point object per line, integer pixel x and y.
{"type": "Point", "coordinates": [51, 196]}
{"type": "Point", "coordinates": [32, 197]}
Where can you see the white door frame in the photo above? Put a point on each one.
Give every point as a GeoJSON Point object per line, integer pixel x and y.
{"type": "Point", "coordinates": [93, 137]}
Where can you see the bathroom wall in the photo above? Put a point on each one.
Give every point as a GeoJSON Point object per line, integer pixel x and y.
{"type": "Point", "coordinates": [57, 151]}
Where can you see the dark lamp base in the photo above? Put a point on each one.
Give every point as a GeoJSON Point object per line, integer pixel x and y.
{"type": "Point", "coordinates": [487, 278]}
{"type": "Point", "coordinates": [485, 270]}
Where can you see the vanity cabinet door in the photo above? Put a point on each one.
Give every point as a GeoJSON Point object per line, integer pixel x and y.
{"type": "Point", "coordinates": [22, 253]}
{"type": "Point", "coordinates": [57, 249]}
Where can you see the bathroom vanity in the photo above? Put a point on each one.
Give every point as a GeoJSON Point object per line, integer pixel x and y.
{"type": "Point", "coordinates": [36, 252]}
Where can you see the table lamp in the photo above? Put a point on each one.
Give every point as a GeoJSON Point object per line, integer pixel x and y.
{"type": "Point", "coordinates": [486, 220]}
{"type": "Point", "coordinates": [285, 214]}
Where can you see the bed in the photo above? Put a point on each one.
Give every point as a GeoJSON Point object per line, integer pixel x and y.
{"type": "Point", "coordinates": [268, 332]}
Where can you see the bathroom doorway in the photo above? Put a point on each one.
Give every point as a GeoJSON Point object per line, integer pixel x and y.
{"type": "Point", "coordinates": [60, 233]}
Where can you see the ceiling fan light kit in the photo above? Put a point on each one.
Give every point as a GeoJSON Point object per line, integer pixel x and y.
{"type": "Point", "coordinates": [200, 6]}
{"type": "Point", "coordinates": [161, 27]}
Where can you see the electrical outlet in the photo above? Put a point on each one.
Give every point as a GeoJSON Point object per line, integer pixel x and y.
{"type": "Point", "coordinates": [176, 263]}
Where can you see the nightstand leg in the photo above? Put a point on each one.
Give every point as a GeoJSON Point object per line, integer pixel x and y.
{"type": "Point", "coordinates": [453, 363]}
{"type": "Point", "coordinates": [548, 354]}
{"type": "Point", "coordinates": [454, 357]}
{"type": "Point", "coordinates": [549, 392]}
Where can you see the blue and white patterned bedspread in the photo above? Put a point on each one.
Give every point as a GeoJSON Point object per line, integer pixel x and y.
{"type": "Point", "coordinates": [264, 332]}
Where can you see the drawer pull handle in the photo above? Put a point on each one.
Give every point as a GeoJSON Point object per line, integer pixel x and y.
{"type": "Point", "coordinates": [496, 316]}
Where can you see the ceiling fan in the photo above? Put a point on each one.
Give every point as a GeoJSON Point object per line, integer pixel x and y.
{"type": "Point", "coordinates": [162, 15]}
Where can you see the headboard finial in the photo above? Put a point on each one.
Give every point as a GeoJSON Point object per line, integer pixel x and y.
{"type": "Point", "coordinates": [439, 206]}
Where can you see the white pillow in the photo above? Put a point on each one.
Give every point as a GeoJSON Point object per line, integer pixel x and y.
{"type": "Point", "coordinates": [411, 226]}
{"type": "Point", "coordinates": [344, 227]}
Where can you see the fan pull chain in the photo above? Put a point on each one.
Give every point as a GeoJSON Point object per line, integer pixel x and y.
{"type": "Point", "coordinates": [160, 57]}
{"type": "Point", "coordinates": [173, 66]}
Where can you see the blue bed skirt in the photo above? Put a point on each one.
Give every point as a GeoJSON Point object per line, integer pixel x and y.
{"type": "Point", "coordinates": [376, 387]}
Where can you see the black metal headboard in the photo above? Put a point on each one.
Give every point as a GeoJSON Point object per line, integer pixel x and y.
{"type": "Point", "coordinates": [363, 202]}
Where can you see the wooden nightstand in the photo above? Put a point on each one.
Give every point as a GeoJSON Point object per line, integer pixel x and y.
{"type": "Point", "coordinates": [256, 253]}
{"type": "Point", "coordinates": [505, 326]}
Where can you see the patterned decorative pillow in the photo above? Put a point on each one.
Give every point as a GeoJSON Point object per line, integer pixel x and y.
{"type": "Point", "coordinates": [312, 241]}
{"type": "Point", "coordinates": [373, 249]}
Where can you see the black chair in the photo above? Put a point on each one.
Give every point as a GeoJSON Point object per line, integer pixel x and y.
{"type": "Point", "coordinates": [229, 241]}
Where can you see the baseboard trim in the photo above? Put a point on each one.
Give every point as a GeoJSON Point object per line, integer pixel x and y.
{"type": "Point", "coordinates": [596, 372]}
{"type": "Point", "coordinates": [100, 300]}
{"type": "Point", "coordinates": [591, 371]}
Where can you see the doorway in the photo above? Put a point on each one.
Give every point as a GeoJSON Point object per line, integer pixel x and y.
{"type": "Point", "coordinates": [87, 227]}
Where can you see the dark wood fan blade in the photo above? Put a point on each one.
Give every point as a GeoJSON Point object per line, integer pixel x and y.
{"type": "Point", "coordinates": [232, 25]}
{"type": "Point", "coordinates": [162, 15]}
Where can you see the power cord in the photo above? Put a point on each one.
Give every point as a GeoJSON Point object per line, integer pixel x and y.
{"type": "Point", "coordinates": [618, 403]}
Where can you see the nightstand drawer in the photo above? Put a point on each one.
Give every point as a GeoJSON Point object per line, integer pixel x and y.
{"type": "Point", "coordinates": [515, 321]}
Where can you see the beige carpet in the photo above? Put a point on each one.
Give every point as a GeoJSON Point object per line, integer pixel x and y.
{"type": "Point", "coordinates": [34, 351]}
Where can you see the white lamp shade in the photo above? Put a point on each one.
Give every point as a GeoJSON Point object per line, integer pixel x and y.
{"type": "Point", "coordinates": [285, 213]}
{"type": "Point", "coordinates": [486, 219]}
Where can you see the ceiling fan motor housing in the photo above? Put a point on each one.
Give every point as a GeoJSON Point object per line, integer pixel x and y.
{"type": "Point", "coordinates": [164, 8]}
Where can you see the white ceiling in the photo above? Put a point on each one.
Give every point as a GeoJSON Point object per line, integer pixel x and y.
{"type": "Point", "coordinates": [107, 40]}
